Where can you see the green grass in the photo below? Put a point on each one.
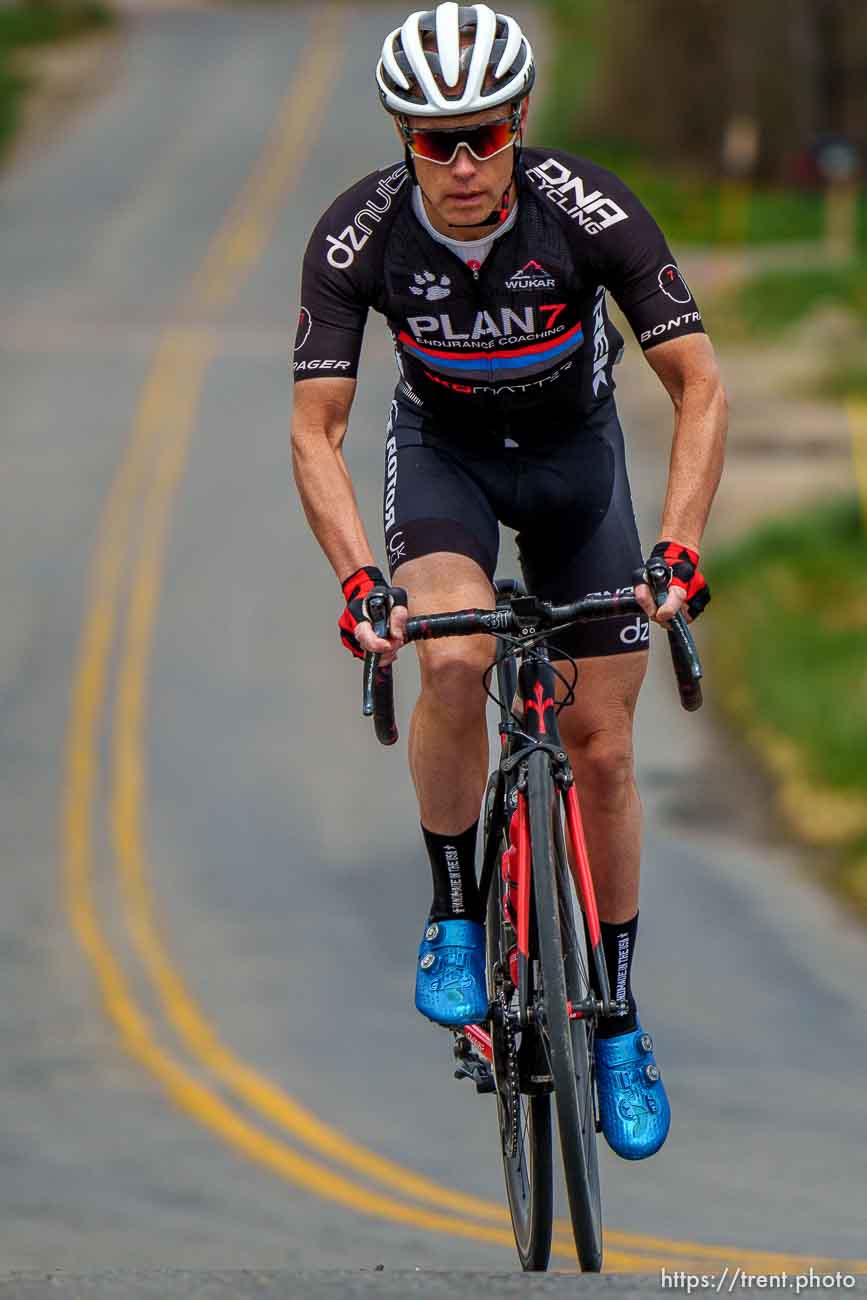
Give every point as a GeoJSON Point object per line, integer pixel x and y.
{"type": "Point", "coordinates": [789, 625]}
{"type": "Point", "coordinates": [691, 208]}
{"type": "Point", "coordinates": [770, 302]}
{"type": "Point", "coordinates": [764, 306]}
{"type": "Point", "coordinates": [846, 380]}
{"type": "Point", "coordinates": [23, 26]}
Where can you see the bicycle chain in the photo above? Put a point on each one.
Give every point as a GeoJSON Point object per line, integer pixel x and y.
{"type": "Point", "coordinates": [512, 1083]}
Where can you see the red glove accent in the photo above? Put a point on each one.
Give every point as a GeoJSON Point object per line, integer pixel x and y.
{"type": "Point", "coordinates": [683, 562]}
{"type": "Point", "coordinates": [355, 588]}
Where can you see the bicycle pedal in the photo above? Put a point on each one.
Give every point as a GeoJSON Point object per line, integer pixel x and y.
{"type": "Point", "coordinates": [473, 1067]}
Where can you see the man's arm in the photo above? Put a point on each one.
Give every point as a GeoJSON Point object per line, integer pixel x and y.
{"type": "Point", "coordinates": [320, 416]}
{"type": "Point", "coordinates": [688, 370]}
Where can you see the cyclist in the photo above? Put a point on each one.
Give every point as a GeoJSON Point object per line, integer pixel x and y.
{"type": "Point", "coordinates": [491, 263]}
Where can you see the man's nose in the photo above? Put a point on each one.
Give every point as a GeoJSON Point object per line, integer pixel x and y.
{"type": "Point", "coordinates": [464, 165]}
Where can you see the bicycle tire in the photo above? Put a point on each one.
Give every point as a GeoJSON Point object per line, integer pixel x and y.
{"type": "Point", "coordinates": [576, 966]}
{"type": "Point", "coordinates": [529, 1173]}
{"type": "Point", "coordinates": [562, 1035]}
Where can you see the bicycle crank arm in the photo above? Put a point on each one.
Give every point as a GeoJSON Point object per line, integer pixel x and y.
{"type": "Point", "coordinates": [470, 1064]}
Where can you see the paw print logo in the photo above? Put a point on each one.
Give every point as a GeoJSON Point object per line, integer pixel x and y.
{"type": "Point", "coordinates": [428, 286]}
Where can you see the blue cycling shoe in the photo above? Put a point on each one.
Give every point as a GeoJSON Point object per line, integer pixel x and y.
{"type": "Point", "coordinates": [450, 976]}
{"type": "Point", "coordinates": [633, 1108]}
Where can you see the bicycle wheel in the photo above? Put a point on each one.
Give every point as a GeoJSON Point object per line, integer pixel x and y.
{"type": "Point", "coordinates": [524, 1121]}
{"type": "Point", "coordinates": [576, 965]}
{"type": "Point", "coordinates": [565, 1040]}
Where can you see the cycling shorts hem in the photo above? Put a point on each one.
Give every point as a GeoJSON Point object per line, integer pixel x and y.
{"type": "Point", "coordinates": [416, 538]}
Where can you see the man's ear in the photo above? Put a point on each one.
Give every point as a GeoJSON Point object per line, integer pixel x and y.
{"type": "Point", "coordinates": [525, 109]}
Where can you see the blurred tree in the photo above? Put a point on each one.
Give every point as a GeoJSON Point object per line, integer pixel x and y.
{"type": "Point", "coordinates": [684, 78]}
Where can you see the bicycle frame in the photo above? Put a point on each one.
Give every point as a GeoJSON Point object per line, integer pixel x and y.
{"type": "Point", "coordinates": [538, 729]}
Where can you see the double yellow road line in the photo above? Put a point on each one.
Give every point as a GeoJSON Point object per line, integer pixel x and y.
{"type": "Point", "coordinates": [133, 538]}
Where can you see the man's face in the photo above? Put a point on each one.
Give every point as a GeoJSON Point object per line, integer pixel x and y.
{"type": "Point", "coordinates": [465, 190]}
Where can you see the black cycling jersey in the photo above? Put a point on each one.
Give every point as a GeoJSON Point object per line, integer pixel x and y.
{"type": "Point", "coordinates": [528, 328]}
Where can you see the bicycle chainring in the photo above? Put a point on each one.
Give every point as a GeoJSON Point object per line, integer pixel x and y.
{"type": "Point", "coordinates": [510, 1091]}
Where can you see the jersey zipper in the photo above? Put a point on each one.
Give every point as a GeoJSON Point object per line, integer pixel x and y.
{"type": "Point", "coordinates": [478, 298]}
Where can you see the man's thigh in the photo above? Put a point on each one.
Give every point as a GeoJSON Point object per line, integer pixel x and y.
{"type": "Point", "coordinates": [605, 697]}
{"type": "Point", "coordinates": [441, 583]}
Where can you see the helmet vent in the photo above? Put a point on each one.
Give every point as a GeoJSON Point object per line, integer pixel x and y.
{"type": "Point", "coordinates": [454, 59]}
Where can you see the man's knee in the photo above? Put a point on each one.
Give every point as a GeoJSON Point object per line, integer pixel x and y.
{"type": "Point", "coordinates": [451, 673]}
{"type": "Point", "coordinates": [604, 765]}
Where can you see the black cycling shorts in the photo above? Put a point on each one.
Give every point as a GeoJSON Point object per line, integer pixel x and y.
{"type": "Point", "coordinates": [565, 493]}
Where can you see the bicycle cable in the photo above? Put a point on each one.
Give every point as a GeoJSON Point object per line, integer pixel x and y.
{"type": "Point", "coordinates": [517, 643]}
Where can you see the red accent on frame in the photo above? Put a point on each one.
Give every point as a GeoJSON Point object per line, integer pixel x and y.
{"type": "Point", "coordinates": [510, 883]}
{"type": "Point", "coordinates": [540, 705]}
{"type": "Point", "coordinates": [584, 879]}
{"type": "Point", "coordinates": [481, 1040]}
{"type": "Point", "coordinates": [523, 871]}
{"type": "Point", "coordinates": [513, 966]}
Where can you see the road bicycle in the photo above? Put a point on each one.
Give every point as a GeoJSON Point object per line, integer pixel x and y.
{"type": "Point", "coordinates": [546, 972]}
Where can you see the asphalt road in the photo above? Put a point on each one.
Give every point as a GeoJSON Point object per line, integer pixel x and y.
{"type": "Point", "coordinates": [213, 882]}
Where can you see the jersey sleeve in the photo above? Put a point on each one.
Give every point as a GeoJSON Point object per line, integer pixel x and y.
{"type": "Point", "coordinates": [638, 268]}
{"type": "Point", "coordinates": [333, 310]}
{"type": "Point", "coordinates": [616, 240]}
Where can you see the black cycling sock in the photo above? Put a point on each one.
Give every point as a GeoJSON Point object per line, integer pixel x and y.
{"type": "Point", "coordinates": [618, 944]}
{"type": "Point", "coordinates": [453, 865]}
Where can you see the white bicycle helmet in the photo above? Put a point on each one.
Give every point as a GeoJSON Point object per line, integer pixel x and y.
{"type": "Point", "coordinates": [454, 59]}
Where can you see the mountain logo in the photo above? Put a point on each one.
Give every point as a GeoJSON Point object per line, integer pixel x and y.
{"type": "Point", "coordinates": [531, 276]}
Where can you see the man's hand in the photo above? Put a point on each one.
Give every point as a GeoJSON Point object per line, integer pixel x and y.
{"type": "Point", "coordinates": [688, 590]}
{"type": "Point", "coordinates": [356, 631]}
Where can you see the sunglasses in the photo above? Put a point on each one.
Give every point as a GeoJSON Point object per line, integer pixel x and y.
{"type": "Point", "coordinates": [440, 146]}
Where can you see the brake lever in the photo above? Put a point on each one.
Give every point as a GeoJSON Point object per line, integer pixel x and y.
{"type": "Point", "coordinates": [658, 576]}
{"type": "Point", "coordinates": [377, 606]}
{"type": "Point", "coordinates": [377, 696]}
{"type": "Point", "coordinates": [684, 656]}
